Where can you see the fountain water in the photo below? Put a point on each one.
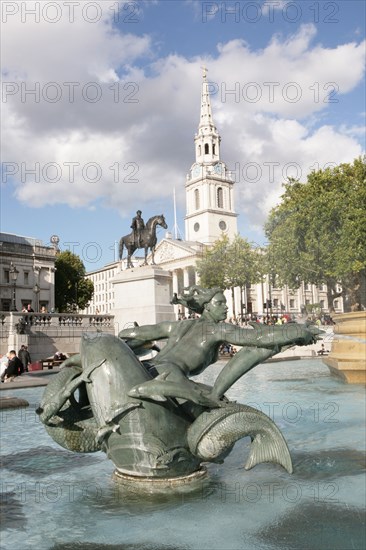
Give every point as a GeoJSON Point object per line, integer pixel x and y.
{"type": "Point", "coordinates": [59, 500]}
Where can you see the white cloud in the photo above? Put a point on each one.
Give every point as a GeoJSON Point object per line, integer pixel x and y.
{"type": "Point", "coordinates": [147, 131]}
{"type": "Point", "coordinates": [288, 77]}
{"type": "Point", "coordinates": [72, 49]}
{"type": "Point", "coordinates": [289, 151]}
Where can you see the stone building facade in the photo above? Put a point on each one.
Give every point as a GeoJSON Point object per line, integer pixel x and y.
{"type": "Point", "coordinates": [27, 274]}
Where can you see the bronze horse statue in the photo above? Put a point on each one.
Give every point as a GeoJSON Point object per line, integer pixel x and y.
{"type": "Point", "coordinates": [148, 240]}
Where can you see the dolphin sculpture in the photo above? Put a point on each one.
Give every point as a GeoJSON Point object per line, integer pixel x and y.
{"type": "Point", "coordinates": [105, 399]}
{"type": "Point", "coordinates": [159, 389]}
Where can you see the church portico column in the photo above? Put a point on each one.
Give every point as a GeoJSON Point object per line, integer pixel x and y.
{"type": "Point", "coordinates": [261, 298]}
{"type": "Point", "coordinates": [186, 276]}
{"type": "Point", "coordinates": [175, 282]}
{"type": "Point", "coordinates": [175, 285]}
{"type": "Point", "coordinates": [179, 280]}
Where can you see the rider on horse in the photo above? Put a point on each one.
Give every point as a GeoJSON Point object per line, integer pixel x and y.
{"type": "Point", "coordinates": [137, 225]}
{"type": "Point", "coordinates": [142, 236]}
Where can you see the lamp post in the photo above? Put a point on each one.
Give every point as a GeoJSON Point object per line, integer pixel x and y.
{"type": "Point", "coordinates": [36, 291]}
{"type": "Point", "coordinates": [13, 272]}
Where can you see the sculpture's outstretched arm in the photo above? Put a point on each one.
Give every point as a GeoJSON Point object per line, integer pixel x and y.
{"type": "Point", "coordinates": [273, 339]}
{"type": "Point", "coordinates": [270, 336]}
{"type": "Point", "coordinates": [147, 333]}
{"type": "Point", "coordinates": [237, 366]}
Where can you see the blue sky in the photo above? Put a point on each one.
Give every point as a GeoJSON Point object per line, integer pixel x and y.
{"type": "Point", "coordinates": [110, 125]}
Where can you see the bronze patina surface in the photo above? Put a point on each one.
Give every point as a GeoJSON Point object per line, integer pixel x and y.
{"type": "Point", "coordinates": [154, 422]}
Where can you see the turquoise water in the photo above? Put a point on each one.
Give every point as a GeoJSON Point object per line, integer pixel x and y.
{"type": "Point", "coordinates": [55, 499]}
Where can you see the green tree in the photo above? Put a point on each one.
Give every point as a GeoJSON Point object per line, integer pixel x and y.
{"type": "Point", "coordinates": [317, 233]}
{"type": "Point", "coordinates": [229, 265]}
{"type": "Point", "coordinates": [72, 290]}
{"type": "Point", "coordinates": [244, 266]}
{"type": "Point", "coordinates": [213, 265]}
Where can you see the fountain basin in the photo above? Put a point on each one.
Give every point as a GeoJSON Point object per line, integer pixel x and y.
{"type": "Point", "coordinates": [348, 354]}
{"type": "Point", "coordinates": [53, 499]}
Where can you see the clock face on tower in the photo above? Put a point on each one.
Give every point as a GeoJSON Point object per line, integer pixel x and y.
{"type": "Point", "coordinates": [196, 171]}
{"type": "Point", "coordinates": [218, 169]}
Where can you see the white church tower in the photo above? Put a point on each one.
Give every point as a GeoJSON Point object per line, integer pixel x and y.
{"type": "Point", "coordinates": [209, 186]}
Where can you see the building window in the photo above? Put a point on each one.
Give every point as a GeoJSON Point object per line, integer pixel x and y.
{"type": "Point", "coordinates": [275, 302]}
{"type": "Point", "coordinates": [220, 197]}
{"type": "Point", "coordinates": [197, 199]}
{"type": "Point", "coordinates": [274, 280]}
{"type": "Point", "coordinates": [206, 149]}
{"type": "Point", "coordinates": [5, 305]}
{"type": "Point", "coordinates": [336, 304]}
{"type": "Point", "coordinates": [214, 149]}
{"type": "Point", "coordinates": [292, 303]}
{"type": "Point", "coordinates": [6, 277]}
{"type": "Point", "coordinates": [26, 277]}
{"type": "Point", "coordinates": [322, 303]}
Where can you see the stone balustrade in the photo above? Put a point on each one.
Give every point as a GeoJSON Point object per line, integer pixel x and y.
{"type": "Point", "coordinates": [23, 322]}
{"type": "Point", "coordinates": [46, 333]}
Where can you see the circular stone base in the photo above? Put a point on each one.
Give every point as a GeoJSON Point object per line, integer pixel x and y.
{"type": "Point", "coordinates": [154, 485]}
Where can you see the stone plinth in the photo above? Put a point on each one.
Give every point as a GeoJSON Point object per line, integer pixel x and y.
{"type": "Point", "coordinates": [142, 294]}
{"type": "Point", "coordinates": [348, 354]}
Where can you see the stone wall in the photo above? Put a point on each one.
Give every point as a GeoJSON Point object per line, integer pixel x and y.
{"type": "Point", "coordinates": [46, 334]}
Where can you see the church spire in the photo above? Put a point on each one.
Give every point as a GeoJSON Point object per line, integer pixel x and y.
{"type": "Point", "coordinates": [207, 139]}
{"type": "Point", "coordinates": [206, 119]}
{"type": "Point", "coordinates": [209, 186]}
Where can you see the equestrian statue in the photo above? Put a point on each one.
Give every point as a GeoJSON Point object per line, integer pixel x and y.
{"type": "Point", "coordinates": [142, 236]}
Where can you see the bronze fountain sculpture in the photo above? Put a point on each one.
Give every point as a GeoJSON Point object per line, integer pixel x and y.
{"type": "Point", "coordinates": [150, 419]}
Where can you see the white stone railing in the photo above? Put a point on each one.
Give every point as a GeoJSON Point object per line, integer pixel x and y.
{"type": "Point", "coordinates": [22, 323]}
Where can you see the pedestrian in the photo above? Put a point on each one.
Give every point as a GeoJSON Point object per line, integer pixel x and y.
{"type": "Point", "coordinates": [30, 318]}
{"type": "Point", "coordinates": [14, 367]}
{"type": "Point", "coordinates": [25, 357]}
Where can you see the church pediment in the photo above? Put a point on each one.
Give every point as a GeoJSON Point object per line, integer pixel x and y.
{"type": "Point", "coordinates": [169, 250]}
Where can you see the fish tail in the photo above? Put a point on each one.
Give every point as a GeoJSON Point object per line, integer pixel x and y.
{"type": "Point", "coordinates": [213, 433]}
